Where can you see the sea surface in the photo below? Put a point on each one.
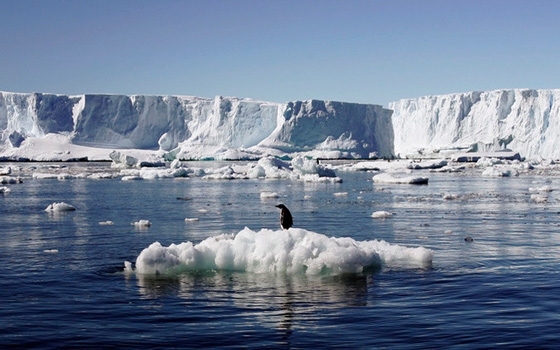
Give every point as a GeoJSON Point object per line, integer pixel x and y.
{"type": "Point", "coordinates": [62, 282]}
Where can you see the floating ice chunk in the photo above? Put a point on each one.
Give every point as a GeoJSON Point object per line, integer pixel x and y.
{"type": "Point", "coordinates": [545, 188]}
{"type": "Point", "coordinates": [319, 179]}
{"type": "Point", "coordinates": [5, 180]}
{"type": "Point", "coordinates": [267, 194]}
{"type": "Point", "coordinates": [122, 160]}
{"type": "Point", "coordinates": [381, 214]}
{"type": "Point", "coordinates": [50, 251]}
{"type": "Point", "coordinates": [131, 178]}
{"type": "Point", "coordinates": [128, 267]}
{"type": "Point", "coordinates": [499, 172]}
{"type": "Point", "coordinates": [106, 223]}
{"type": "Point", "coordinates": [61, 206]}
{"type": "Point", "coordinates": [450, 196]}
{"type": "Point", "coordinates": [256, 172]}
{"type": "Point", "coordinates": [340, 194]}
{"type": "Point", "coordinates": [284, 251]}
{"type": "Point", "coordinates": [488, 162]}
{"type": "Point", "coordinates": [44, 176]}
{"type": "Point", "coordinates": [538, 198]}
{"type": "Point", "coordinates": [429, 164]}
{"type": "Point", "coordinates": [389, 178]}
{"type": "Point", "coordinates": [5, 170]}
{"type": "Point", "coordinates": [142, 223]}
{"type": "Point", "coordinates": [225, 173]}
{"type": "Point", "coordinates": [191, 219]}
{"type": "Point", "coordinates": [448, 169]}
{"type": "Point", "coordinates": [4, 190]}
{"type": "Point", "coordinates": [271, 168]}
{"type": "Point", "coordinates": [103, 175]}
{"type": "Point", "coordinates": [303, 165]}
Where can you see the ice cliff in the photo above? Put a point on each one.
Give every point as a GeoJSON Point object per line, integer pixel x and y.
{"type": "Point", "coordinates": [522, 120]}
{"type": "Point", "coordinates": [180, 127]}
{"type": "Point", "coordinates": [191, 127]}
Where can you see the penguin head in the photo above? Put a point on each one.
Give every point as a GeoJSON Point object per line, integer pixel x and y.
{"type": "Point", "coordinates": [281, 206]}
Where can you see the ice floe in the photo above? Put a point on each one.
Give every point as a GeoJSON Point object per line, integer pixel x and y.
{"type": "Point", "coordinates": [284, 251]}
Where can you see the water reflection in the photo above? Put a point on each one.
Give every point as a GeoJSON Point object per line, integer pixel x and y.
{"type": "Point", "coordinates": [276, 301]}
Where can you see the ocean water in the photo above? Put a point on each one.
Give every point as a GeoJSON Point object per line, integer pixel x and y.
{"type": "Point", "coordinates": [63, 282]}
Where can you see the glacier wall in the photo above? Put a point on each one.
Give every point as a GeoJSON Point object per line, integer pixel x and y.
{"type": "Point", "coordinates": [522, 120]}
{"type": "Point", "coordinates": [365, 130]}
{"type": "Point", "coordinates": [195, 128]}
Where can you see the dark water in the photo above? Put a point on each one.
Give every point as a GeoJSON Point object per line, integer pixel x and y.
{"type": "Point", "coordinates": [62, 283]}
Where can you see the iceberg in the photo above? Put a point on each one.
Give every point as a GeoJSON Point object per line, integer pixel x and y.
{"type": "Point", "coordinates": [44, 127]}
{"type": "Point", "coordinates": [510, 124]}
{"type": "Point", "coordinates": [521, 120]}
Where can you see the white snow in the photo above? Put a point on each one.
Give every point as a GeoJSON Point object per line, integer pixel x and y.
{"type": "Point", "coordinates": [283, 251]}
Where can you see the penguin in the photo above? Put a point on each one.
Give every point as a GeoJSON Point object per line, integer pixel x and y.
{"type": "Point", "coordinates": [286, 220]}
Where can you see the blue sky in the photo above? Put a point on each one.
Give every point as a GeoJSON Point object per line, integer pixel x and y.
{"type": "Point", "coordinates": [357, 51]}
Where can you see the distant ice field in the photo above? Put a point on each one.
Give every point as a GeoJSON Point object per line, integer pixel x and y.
{"type": "Point", "coordinates": [491, 280]}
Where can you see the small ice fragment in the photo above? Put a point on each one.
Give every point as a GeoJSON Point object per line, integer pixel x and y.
{"type": "Point", "coordinates": [4, 189]}
{"type": "Point", "coordinates": [538, 198]}
{"type": "Point", "coordinates": [50, 251]}
{"type": "Point", "coordinates": [106, 223]}
{"type": "Point", "coordinates": [448, 232]}
{"type": "Point", "coordinates": [381, 214]}
{"type": "Point", "coordinates": [340, 194]}
{"type": "Point", "coordinates": [450, 196]}
{"type": "Point", "coordinates": [61, 206]}
{"type": "Point", "coordinates": [267, 194]}
{"type": "Point", "coordinates": [396, 179]}
{"type": "Point", "coordinates": [142, 223]}
{"type": "Point", "coordinates": [131, 178]}
{"type": "Point", "coordinates": [540, 189]}
{"type": "Point", "coordinates": [191, 219]}
{"type": "Point", "coordinates": [127, 266]}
